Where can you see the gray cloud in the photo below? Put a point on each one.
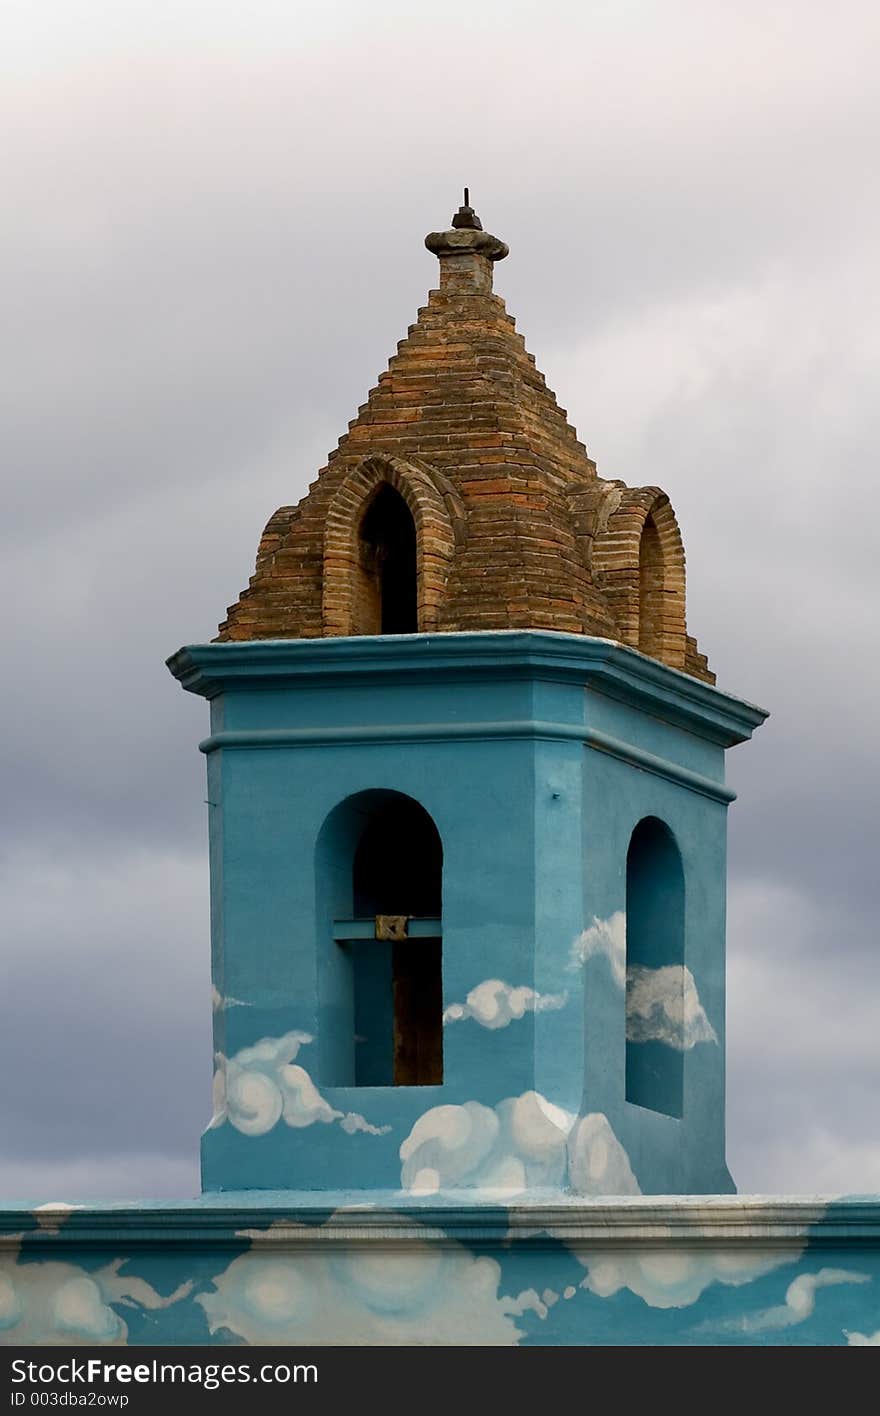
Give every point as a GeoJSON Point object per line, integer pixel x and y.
{"type": "Point", "coordinates": [106, 1031]}
{"type": "Point", "coordinates": [804, 1111]}
{"type": "Point", "coordinates": [212, 244]}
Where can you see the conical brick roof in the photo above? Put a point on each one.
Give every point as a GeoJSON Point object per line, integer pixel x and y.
{"type": "Point", "coordinates": [514, 527]}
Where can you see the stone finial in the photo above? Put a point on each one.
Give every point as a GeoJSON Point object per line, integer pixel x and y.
{"type": "Point", "coordinates": [466, 218]}
{"type": "Point", "coordinates": [466, 252]}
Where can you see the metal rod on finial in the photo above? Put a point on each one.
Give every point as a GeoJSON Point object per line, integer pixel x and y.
{"type": "Point", "coordinates": [466, 218]}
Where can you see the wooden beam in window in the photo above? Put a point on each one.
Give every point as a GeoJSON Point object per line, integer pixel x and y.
{"type": "Point", "coordinates": [345, 929]}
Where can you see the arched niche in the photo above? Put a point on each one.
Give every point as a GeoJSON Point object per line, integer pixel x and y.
{"type": "Point", "coordinates": [387, 519]}
{"type": "Point", "coordinates": [386, 589]}
{"type": "Point", "coordinates": [638, 558]}
{"type": "Point", "coordinates": [651, 592]}
{"type": "Point", "coordinates": [655, 932]}
{"type": "Point", "coordinates": [380, 979]}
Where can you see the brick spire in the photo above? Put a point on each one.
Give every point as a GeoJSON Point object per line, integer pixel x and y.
{"type": "Point", "coordinates": [514, 529]}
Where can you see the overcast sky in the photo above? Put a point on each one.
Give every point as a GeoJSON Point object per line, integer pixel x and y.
{"type": "Point", "coordinates": [212, 240]}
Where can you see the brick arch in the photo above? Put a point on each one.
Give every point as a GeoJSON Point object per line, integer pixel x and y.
{"type": "Point", "coordinates": [435, 538]}
{"type": "Point", "coordinates": [639, 558]}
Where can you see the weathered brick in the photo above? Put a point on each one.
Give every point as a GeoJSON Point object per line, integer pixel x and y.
{"type": "Point", "coordinates": [514, 527]}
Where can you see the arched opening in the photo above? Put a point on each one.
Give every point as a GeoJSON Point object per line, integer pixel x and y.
{"type": "Point", "coordinates": [651, 586]}
{"type": "Point", "coordinates": [380, 865]}
{"type": "Point", "coordinates": [655, 903]}
{"type": "Point", "coordinates": [356, 527]}
{"type": "Point", "coordinates": [398, 864]}
{"type": "Point", "coordinates": [386, 597]}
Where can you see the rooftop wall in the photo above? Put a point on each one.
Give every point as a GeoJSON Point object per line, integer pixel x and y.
{"type": "Point", "coordinates": [724, 1271]}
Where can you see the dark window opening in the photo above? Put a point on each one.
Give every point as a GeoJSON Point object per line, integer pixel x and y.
{"type": "Point", "coordinates": [398, 863]}
{"type": "Point", "coordinates": [651, 590]}
{"type": "Point", "coordinates": [654, 941]}
{"type": "Point", "coordinates": [397, 871]}
{"type": "Point", "coordinates": [384, 985]}
{"type": "Point", "coordinates": [387, 598]}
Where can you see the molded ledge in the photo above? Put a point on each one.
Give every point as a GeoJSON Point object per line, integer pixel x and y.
{"type": "Point", "coordinates": [471, 732]}
{"type": "Point", "coordinates": [601, 664]}
{"type": "Point", "coordinates": [285, 1219]}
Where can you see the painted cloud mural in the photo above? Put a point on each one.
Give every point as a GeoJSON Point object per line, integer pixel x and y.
{"type": "Point", "coordinates": [494, 1004]}
{"type": "Point", "coordinates": [291, 1281]}
{"type": "Point", "coordinates": [218, 1002]}
{"type": "Point", "coordinates": [799, 1303]}
{"type": "Point", "coordinates": [862, 1339]}
{"type": "Point", "coordinates": [524, 1142]}
{"type": "Point", "coordinates": [521, 1142]}
{"type": "Point", "coordinates": [672, 1278]}
{"type": "Point", "coordinates": [425, 1293]}
{"type": "Point", "coordinates": [263, 1084]}
{"type": "Point", "coordinates": [597, 1162]}
{"type": "Point", "coordinates": [662, 1004]}
{"type": "Point", "coordinates": [605, 938]}
{"type": "Point", "coordinates": [61, 1304]}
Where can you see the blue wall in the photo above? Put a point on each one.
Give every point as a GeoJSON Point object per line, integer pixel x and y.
{"type": "Point", "coordinates": [572, 783]}
{"type": "Point", "coordinates": [230, 1271]}
{"type": "Point", "coordinates": [536, 756]}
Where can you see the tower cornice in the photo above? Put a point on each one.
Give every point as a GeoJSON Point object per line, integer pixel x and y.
{"type": "Point", "coordinates": [607, 667]}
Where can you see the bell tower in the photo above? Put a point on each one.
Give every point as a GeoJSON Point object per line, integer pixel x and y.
{"type": "Point", "coordinates": [467, 804]}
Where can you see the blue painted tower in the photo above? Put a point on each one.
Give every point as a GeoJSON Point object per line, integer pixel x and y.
{"type": "Point", "coordinates": [467, 847]}
{"type": "Point", "coordinates": [467, 805]}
